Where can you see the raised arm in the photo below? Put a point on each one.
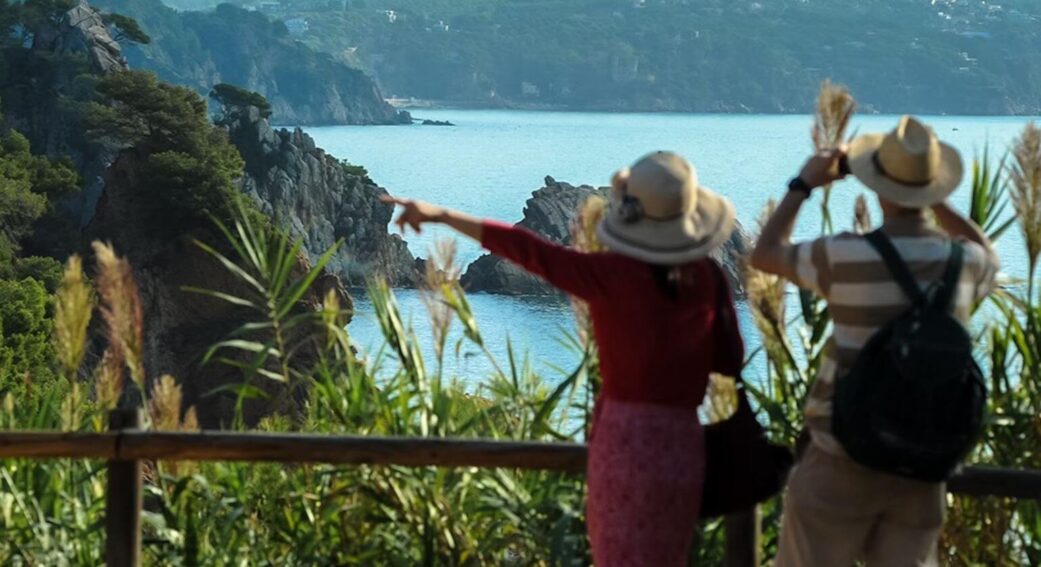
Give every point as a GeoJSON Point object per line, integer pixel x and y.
{"type": "Point", "coordinates": [774, 252]}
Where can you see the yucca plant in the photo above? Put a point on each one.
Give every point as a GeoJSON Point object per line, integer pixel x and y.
{"type": "Point", "coordinates": [990, 197]}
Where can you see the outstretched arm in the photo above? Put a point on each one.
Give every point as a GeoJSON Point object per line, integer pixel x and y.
{"type": "Point", "coordinates": [417, 213]}
{"type": "Point", "coordinates": [774, 252]}
{"type": "Point", "coordinates": [570, 270]}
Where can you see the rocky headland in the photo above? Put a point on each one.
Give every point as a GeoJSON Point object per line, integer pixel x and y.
{"type": "Point", "coordinates": [317, 197]}
{"type": "Point", "coordinates": [232, 45]}
{"type": "Point", "coordinates": [550, 212]}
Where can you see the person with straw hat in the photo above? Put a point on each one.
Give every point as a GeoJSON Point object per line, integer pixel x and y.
{"type": "Point", "coordinates": [839, 510]}
{"type": "Point", "coordinates": [653, 298]}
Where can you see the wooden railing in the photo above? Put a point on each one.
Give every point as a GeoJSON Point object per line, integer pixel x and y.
{"type": "Point", "coordinates": [125, 446]}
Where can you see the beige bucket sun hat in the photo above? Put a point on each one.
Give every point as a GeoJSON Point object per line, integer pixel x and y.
{"type": "Point", "coordinates": [908, 166]}
{"type": "Point", "coordinates": [661, 215]}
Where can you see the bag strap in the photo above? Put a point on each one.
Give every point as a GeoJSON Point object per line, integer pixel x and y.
{"type": "Point", "coordinates": [951, 275]}
{"type": "Point", "coordinates": [896, 265]}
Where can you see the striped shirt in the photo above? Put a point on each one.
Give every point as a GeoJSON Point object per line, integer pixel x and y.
{"type": "Point", "coordinates": [863, 297]}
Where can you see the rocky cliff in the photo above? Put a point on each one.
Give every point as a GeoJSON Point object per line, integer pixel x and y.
{"type": "Point", "coordinates": [315, 196]}
{"type": "Point", "coordinates": [180, 326]}
{"type": "Point", "coordinates": [233, 45]}
{"type": "Point", "coordinates": [310, 193]}
{"type": "Point", "coordinates": [550, 212]}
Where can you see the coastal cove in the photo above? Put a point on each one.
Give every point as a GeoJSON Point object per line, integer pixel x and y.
{"type": "Point", "coordinates": [491, 161]}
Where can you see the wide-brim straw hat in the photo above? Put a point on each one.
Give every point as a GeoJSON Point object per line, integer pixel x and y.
{"type": "Point", "coordinates": [908, 166]}
{"type": "Point", "coordinates": [660, 214]}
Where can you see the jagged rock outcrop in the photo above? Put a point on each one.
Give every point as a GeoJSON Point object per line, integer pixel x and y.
{"type": "Point", "coordinates": [315, 196]}
{"type": "Point", "coordinates": [83, 30]}
{"type": "Point", "coordinates": [550, 212]}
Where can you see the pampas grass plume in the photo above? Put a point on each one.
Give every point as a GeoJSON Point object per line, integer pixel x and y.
{"type": "Point", "coordinates": [835, 106]}
{"type": "Point", "coordinates": [121, 309]}
{"type": "Point", "coordinates": [73, 305]}
{"type": "Point", "coordinates": [1026, 188]}
{"type": "Point", "coordinates": [584, 238]}
{"type": "Point", "coordinates": [766, 294]}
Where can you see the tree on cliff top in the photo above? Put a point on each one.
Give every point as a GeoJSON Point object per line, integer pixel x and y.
{"type": "Point", "coordinates": [181, 158]}
{"type": "Point", "coordinates": [231, 97]}
{"type": "Point", "coordinates": [127, 29]}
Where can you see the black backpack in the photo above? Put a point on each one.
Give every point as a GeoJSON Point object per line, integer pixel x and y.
{"type": "Point", "coordinates": [913, 403]}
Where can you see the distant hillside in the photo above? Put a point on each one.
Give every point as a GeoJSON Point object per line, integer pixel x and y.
{"type": "Point", "coordinates": [232, 45]}
{"type": "Point", "coordinates": [925, 56]}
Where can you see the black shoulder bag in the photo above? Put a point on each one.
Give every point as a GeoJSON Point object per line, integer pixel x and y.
{"type": "Point", "coordinates": [742, 468]}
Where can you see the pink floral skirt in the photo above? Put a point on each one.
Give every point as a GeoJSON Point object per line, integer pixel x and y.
{"type": "Point", "coordinates": [645, 474]}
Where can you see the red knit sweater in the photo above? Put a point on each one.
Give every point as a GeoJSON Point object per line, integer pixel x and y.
{"type": "Point", "coordinates": [653, 348]}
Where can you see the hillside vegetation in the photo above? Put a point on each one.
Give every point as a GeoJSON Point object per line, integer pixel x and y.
{"type": "Point", "coordinates": [248, 49]}
{"type": "Point", "coordinates": [943, 56]}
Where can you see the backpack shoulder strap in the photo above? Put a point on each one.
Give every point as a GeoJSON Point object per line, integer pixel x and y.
{"type": "Point", "coordinates": [951, 276]}
{"type": "Point", "coordinates": [897, 268]}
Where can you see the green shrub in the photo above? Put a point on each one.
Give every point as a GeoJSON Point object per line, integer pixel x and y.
{"type": "Point", "coordinates": [26, 352]}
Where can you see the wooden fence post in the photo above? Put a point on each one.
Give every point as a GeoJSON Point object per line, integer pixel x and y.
{"type": "Point", "coordinates": [742, 539]}
{"type": "Point", "coordinates": [123, 499]}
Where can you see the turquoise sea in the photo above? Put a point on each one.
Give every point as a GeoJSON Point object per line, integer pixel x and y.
{"type": "Point", "coordinates": [491, 161]}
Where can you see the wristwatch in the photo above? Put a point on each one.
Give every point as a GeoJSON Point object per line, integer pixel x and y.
{"type": "Point", "coordinates": [800, 185]}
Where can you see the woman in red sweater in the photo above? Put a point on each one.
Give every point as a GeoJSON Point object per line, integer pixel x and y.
{"type": "Point", "coordinates": [653, 302]}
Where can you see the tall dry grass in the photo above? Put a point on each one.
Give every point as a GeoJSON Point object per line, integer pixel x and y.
{"type": "Point", "coordinates": [121, 310]}
{"type": "Point", "coordinates": [73, 307]}
{"type": "Point", "coordinates": [584, 238]}
{"type": "Point", "coordinates": [832, 114]}
{"type": "Point", "coordinates": [1025, 174]}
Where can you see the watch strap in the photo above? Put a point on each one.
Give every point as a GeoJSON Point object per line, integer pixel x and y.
{"type": "Point", "coordinates": [800, 185]}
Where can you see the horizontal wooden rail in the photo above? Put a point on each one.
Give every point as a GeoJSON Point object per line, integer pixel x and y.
{"type": "Point", "coordinates": [286, 448]}
{"type": "Point", "coordinates": [401, 451]}
{"type": "Point", "coordinates": [49, 445]}
{"type": "Point", "coordinates": [994, 481]}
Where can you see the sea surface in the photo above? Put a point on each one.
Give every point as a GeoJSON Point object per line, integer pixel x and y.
{"type": "Point", "coordinates": [490, 161]}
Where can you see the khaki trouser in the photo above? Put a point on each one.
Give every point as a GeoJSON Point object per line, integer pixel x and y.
{"type": "Point", "coordinates": [837, 512]}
